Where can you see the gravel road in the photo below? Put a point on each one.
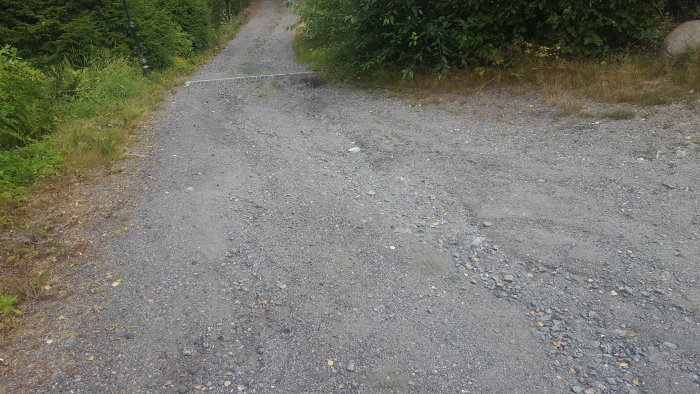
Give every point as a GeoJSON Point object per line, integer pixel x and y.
{"type": "Point", "coordinates": [298, 235]}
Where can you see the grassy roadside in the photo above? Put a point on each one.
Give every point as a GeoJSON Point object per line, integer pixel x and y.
{"type": "Point", "coordinates": [642, 79]}
{"type": "Point", "coordinates": [38, 206]}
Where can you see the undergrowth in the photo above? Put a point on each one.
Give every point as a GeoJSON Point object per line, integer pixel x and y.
{"type": "Point", "coordinates": [642, 79]}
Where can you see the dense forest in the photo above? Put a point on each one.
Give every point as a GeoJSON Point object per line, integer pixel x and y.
{"type": "Point", "coordinates": [46, 46]}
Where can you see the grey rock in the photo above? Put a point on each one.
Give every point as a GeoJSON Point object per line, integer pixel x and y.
{"type": "Point", "coordinates": [487, 224]}
{"type": "Point", "coordinates": [577, 389]}
{"type": "Point", "coordinates": [669, 345]}
{"type": "Point", "coordinates": [683, 38]}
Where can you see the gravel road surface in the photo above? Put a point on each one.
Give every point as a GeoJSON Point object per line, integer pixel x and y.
{"type": "Point", "coordinates": [298, 235]}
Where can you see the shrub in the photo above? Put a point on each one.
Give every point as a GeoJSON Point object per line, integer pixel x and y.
{"type": "Point", "coordinates": [25, 107]}
{"type": "Point", "coordinates": [364, 34]}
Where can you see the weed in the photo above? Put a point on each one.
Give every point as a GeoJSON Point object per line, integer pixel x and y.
{"type": "Point", "coordinates": [8, 312]}
{"type": "Point", "coordinates": [620, 114]}
{"type": "Point", "coordinates": [568, 110]}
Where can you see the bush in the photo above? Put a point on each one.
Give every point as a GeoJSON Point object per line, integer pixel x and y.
{"type": "Point", "coordinates": [19, 167]}
{"type": "Point", "coordinates": [194, 18]}
{"type": "Point", "coordinates": [358, 35]}
{"type": "Point", "coordinates": [25, 105]}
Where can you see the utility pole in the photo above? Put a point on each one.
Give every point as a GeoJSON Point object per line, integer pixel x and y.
{"type": "Point", "coordinates": [132, 28]}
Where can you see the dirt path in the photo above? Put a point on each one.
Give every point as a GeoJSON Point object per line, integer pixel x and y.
{"type": "Point", "coordinates": [297, 236]}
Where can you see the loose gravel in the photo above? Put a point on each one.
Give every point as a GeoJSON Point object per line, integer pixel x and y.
{"type": "Point", "coordinates": [298, 235]}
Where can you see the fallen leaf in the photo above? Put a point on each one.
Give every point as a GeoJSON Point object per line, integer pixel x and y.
{"type": "Point", "coordinates": [198, 387]}
{"type": "Point", "coordinates": [540, 324]}
{"type": "Point", "coordinates": [572, 370]}
{"type": "Point", "coordinates": [330, 363]}
{"type": "Point", "coordinates": [531, 313]}
{"type": "Point", "coordinates": [117, 282]}
{"type": "Point", "coordinates": [435, 223]}
{"type": "Point", "coordinates": [392, 247]}
{"type": "Point", "coordinates": [469, 266]}
{"type": "Point", "coordinates": [589, 280]}
{"type": "Point", "coordinates": [632, 334]}
{"type": "Point", "coordinates": [49, 341]}
{"type": "Point", "coordinates": [227, 383]}
{"type": "Point", "coordinates": [475, 259]}
{"type": "Point", "coordinates": [61, 317]}
{"type": "Point", "coordinates": [613, 293]}
{"type": "Point", "coordinates": [556, 343]}
{"type": "Point", "coordinates": [91, 358]}
{"type": "Point", "coordinates": [623, 365]}
{"type": "Point", "coordinates": [635, 382]}
{"type": "Point", "coordinates": [151, 300]}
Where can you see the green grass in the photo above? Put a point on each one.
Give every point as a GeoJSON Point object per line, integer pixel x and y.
{"type": "Point", "coordinates": [620, 114]}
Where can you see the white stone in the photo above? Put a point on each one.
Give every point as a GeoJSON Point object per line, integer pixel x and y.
{"type": "Point", "coordinates": [683, 38]}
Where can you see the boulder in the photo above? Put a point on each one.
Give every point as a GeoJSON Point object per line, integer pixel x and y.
{"type": "Point", "coordinates": [683, 38]}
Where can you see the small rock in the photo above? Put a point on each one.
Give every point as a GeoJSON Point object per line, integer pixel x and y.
{"type": "Point", "coordinates": [354, 149]}
{"type": "Point", "coordinates": [577, 389]}
{"type": "Point", "coordinates": [371, 193]}
{"type": "Point", "coordinates": [186, 352]}
{"type": "Point", "coordinates": [509, 278]}
{"type": "Point", "coordinates": [670, 345]}
{"type": "Point", "coordinates": [351, 367]}
{"type": "Point", "coordinates": [487, 224]}
{"type": "Point", "coordinates": [588, 391]}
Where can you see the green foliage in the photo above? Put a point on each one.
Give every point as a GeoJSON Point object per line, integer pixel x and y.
{"type": "Point", "coordinates": [8, 312]}
{"type": "Point", "coordinates": [19, 167]}
{"type": "Point", "coordinates": [194, 18]}
{"type": "Point", "coordinates": [25, 110]}
{"type": "Point", "coordinates": [359, 35]}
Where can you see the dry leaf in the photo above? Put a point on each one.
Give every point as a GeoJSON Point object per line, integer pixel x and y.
{"type": "Point", "coordinates": [623, 365]}
{"type": "Point", "coordinates": [589, 280]}
{"type": "Point", "coordinates": [117, 282]}
{"type": "Point", "coordinates": [392, 247]}
{"type": "Point", "coordinates": [540, 323]}
{"type": "Point", "coordinates": [61, 317]}
{"type": "Point", "coordinates": [330, 363]}
{"type": "Point", "coordinates": [613, 292]}
{"type": "Point", "coordinates": [91, 358]}
{"type": "Point", "coordinates": [227, 383]}
{"type": "Point", "coordinates": [198, 387]}
{"type": "Point", "coordinates": [556, 343]}
{"type": "Point", "coordinates": [635, 382]}
{"type": "Point", "coordinates": [572, 370]}
{"type": "Point", "coordinates": [632, 334]}
{"type": "Point", "coordinates": [435, 223]}
{"type": "Point", "coordinates": [49, 341]}
{"type": "Point", "coordinates": [531, 313]}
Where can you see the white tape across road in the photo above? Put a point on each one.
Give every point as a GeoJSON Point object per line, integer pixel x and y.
{"type": "Point", "coordinates": [245, 79]}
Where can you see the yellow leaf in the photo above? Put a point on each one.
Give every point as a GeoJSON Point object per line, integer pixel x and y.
{"type": "Point", "coordinates": [469, 266]}
{"type": "Point", "coordinates": [435, 223]}
{"type": "Point", "coordinates": [61, 317]}
{"type": "Point", "coordinates": [117, 282]}
{"type": "Point", "coordinates": [227, 383]}
{"type": "Point", "coordinates": [623, 365]}
{"type": "Point", "coordinates": [47, 287]}
{"type": "Point", "coordinates": [330, 363]}
{"type": "Point", "coordinates": [531, 313]}
{"type": "Point", "coordinates": [49, 341]}
{"type": "Point", "coordinates": [572, 370]}
{"type": "Point", "coordinates": [632, 334]}
{"type": "Point", "coordinates": [556, 343]}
